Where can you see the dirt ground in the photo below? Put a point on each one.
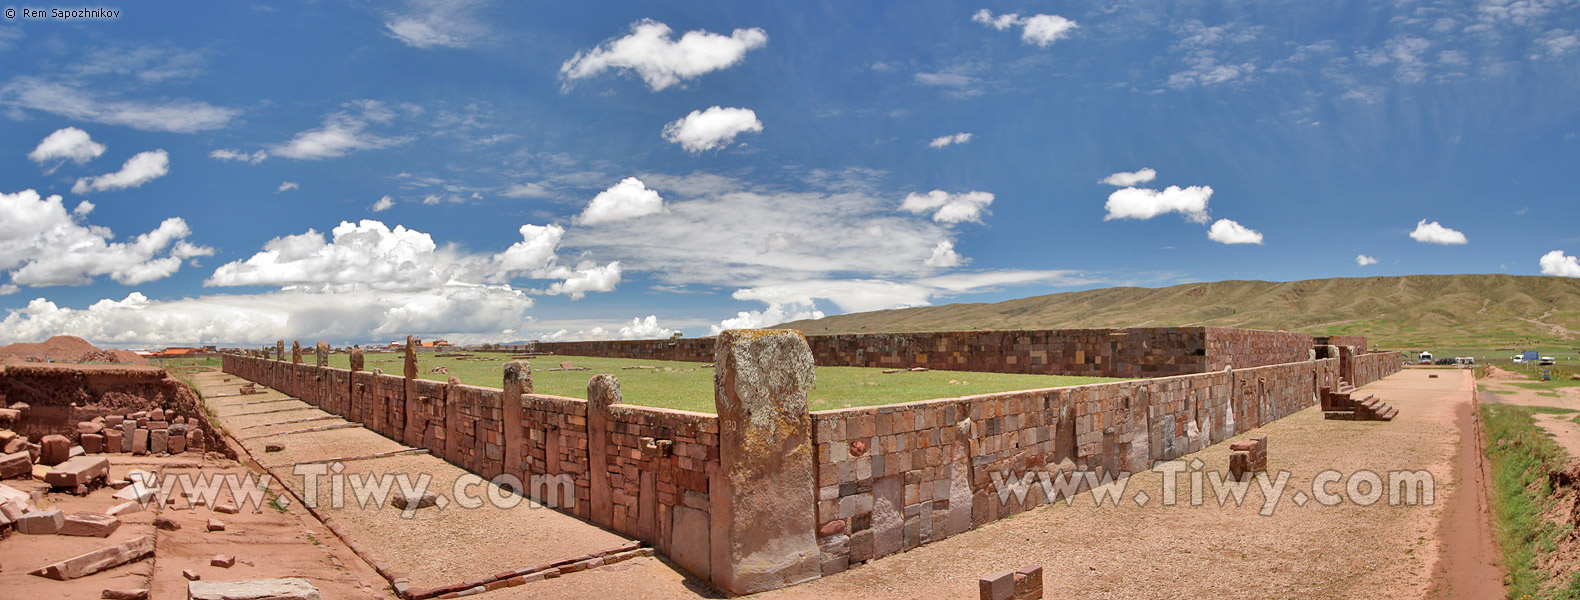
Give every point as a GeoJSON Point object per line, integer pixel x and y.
{"type": "Point", "coordinates": [266, 544]}
{"type": "Point", "coordinates": [1562, 426]}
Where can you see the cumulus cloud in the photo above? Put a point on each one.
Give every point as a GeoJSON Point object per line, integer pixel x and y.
{"type": "Point", "coordinates": [533, 253]}
{"type": "Point", "coordinates": [1364, 261]}
{"type": "Point", "coordinates": [459, 313]}
{"type": "Point", "coordinates": [1123, 179]}
{"type": "Point", "coordinates": [73, 102]}
{"type": "Point", "coordinates": [1039, 30]}
{"type": "Point", "coordinates": [435, 24]}
{"type": "Point", "coordinates": [1560, 264]}
{"type": "Point", "coordinates": [587, 277]}
{"type": "Point", "coordinates": [67, 144]}
{"type": "Point", "coordinates": [944, 256]}
{"type": "Point", "coordinates": [1434, 233]}
{"type": "Point", "coordinates": [1226, 231]}
{"type": "Point", "coordinates": [1141, 203]}
{"type": "Point", "coordinates": [286, 186]}
{"type": "Point", "coordinates": [383, 204]}
{"type": "Point", "coordinates": [628, 199]}
{"type": "Point", "coordinates": [712, 128]}
{"type": "Point", "coordinates": [228, 155]}
{"type": "Point", "coordinates": [342, 133]}
{"type": "Point", "coordinates": [640, 328]}
{"type": "Point", "coordinates": [662, 61]}
{"type": "Point", "coordinates": [42, 245]}
{"type": "Point", "coordinates": [949, 140]}
{"type": "Point", "coordinates": [947, 207]}
{"type": "Point", "coordinates": [138, 170]}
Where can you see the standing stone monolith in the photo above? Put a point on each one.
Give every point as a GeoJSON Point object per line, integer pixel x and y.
{"type": "Point", "coordinates": [409, 434]}
{"type": "Point", "coordinates": [322, 354]}
{"type": "Point", "coordinates": [296, 352]}
{"type": "Point", "coordinates": [356, 359]}
{"type": "Point", "coordinates": [279, 350]}
{"type": "Point", "coordinates": [763, 527]}
{"type": "Point", "coordinates": [518, 381]}
{"type": "Point", "coordinates": [603, 391]}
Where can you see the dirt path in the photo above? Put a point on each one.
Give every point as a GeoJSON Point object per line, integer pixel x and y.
{"type": "Point", "coordinates": [1471, 566]}
{"type": "Point", "coordinates": [1563, 429]}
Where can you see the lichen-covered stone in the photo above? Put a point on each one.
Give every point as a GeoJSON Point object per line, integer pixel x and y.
{"type": "Point", "coordinates": [763, 527]}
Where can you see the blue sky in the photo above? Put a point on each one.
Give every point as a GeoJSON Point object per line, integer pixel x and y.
{"type": "Point", "coordinates": [491, 171]}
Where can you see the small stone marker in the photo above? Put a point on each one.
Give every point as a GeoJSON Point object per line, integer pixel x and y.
{"type": "Point", "coordinates": [415, 501]}
{"type": "Point", "coordinates": [1025, 584]}
{"type": "Point", "coordinates": [166, 523]}
{"type": "Point", "coordinates": [43, 522]}
{"type": "Point", "coordinates": [191, 575]}
{"type": "Point", "coordinates": [216, 525]}
{"type": "Point", "coordinates": [274, 447]}
{"type": "Point", "coordinates": [226, 509]}
{"type": "Point", "coordinates": [104, 558]}
{"type": "Point", "coordinates": [223, 561]}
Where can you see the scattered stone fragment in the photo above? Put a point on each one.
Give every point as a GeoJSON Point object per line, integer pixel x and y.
{"type": "Point", "coordinates": [10, 415]}
{"type": "Point", "coordinates": [87, 427]}
{"type": "Point", "coordinates": [16, 465]}
{"type": "Point", "coordinates": [104, 558]}
{"type": "Point", "coordinates": [918, 369]}
{"type": "Point", "coordinates": [414, 500]}
{"type": "Point", "coordinates": [43, 522]}
{"type": "Point", "coordinates": [223, 561]}
{"type": "Point", "coordinates": [216, 525]}
{"type": "Point", "coordinates": [273, 447]}
{"type": "Point", "coordinates": [178, 441]}
{"type": "Point", "coordinates": [55, 449]}
{"type": "Point", "coordinates": [157, 414]}
{"type": "Point", "coordinates": [90, 524]}
{"type": "Point", "coordinates": [124, 595]}
{"type": "Point", "coordinates": [226, 509]}
{"type": "Point", "coordinates": [166, 524]}
{"type": "Point", "coordinates": [191, 575]}
{"type": "Point", "coordinates": [195, 440]}
{"type": "Point", "coordinates": [253, 589]}
{"type": "Point", "coordinates": [125, 508]}
{"type": "Point", "coordinates": [113, 421]}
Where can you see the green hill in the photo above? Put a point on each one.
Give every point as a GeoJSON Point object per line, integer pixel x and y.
{"type": "Point", "coordinates": [1468, 311]}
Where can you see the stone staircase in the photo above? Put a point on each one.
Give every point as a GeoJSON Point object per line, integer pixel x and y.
{"type": "Point", "coordinates": [1350, 404]}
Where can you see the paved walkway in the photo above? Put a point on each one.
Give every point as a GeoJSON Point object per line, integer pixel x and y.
{"type": "Point", "coordinates": [433, 547]}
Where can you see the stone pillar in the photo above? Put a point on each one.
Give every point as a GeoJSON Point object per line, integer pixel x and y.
{"type": "Point", "coordinates": [518, 381]}
{"type": "Point", "coordinates": [323, 354]}
{"type": "Point", "coordinates": [409, 433]}
{"type": "Point", "coordinates": [356, 359]}
{"type": "Point", "coordinates": [763, 528]}
{"type": "Point", "coordinates": [296, 352]}
{"type": "Point", "coordinates": [279, 350]}
{"type": "Point", "coordinates": [603, 391]}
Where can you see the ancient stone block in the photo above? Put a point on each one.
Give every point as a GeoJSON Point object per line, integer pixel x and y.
{"type": "Point", "coordinates": [128, 434]}
{"type": "Point", "coordinates": [253, 589]}
{"type": "Point", "coordinates": [55, 449]}
{"type": "Point", "coordinates": [296, 352]}
{"type": "Point", "coordinates": [140, 441]}
{"type": "Point", "coordinates": [104, 558]}
{"type": "Point", "coordinates": [322, 354]}
{"type": "Point", "coordinates": [603, 391]}
{"type": "Point", "coordinates": [92, 443]}
{"type": "Point", "coordinates": [125, 594]}
{"type": "Point", "coordinates": [763, 527]}
{"type": "Point", "coordinates": [158, 441]}
{"type": "Point", "coordinates": [42, 522]}
{"type": "Point", "coordinates": [223, 561]}
{"type": "Point", "coordinates": [998, 586]}
{"type": "Point", "coordinates": [178, 442]}
{"type": "Point", "coordinates": [689, 540]}
{"type": "Point", "coordinates": [90, 524]}
{"type": "Point", "coordinates": [518, 381]}
{"type": "Point", "coordinates": [113, 440]}
{"type": "Point", "coordinates": [195, 440]}
{"type": "Point", "coordinates": [356, 359]}
{"type": "Point", "coordinates": [16, 465]}
{"type": "Point", "coordinates": [79, 471]}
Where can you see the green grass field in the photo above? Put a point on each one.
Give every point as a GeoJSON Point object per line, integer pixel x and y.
{"type": "Point", "coordinates": [1522, 458]}
{"type": "Point", "coordinates": [689, 386]}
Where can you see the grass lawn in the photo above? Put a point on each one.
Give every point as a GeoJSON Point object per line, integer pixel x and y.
{"type": "Point", "coordinates": [689, 386]}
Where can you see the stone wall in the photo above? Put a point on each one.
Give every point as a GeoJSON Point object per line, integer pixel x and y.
{"type": "Point", "coordinates": [1129, 353]}
{"type": "Point", "coordinates": [704, 488]}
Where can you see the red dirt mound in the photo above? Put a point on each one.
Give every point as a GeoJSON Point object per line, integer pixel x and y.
{"type": "Point", "coordinates": [69, 349]}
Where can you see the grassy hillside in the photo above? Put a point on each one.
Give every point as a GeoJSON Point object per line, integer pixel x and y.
{"type": "Point", "coordinates": [1472, 311]}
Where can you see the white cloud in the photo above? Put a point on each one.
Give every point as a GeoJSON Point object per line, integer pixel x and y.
{"type": "Point", "coordinates": [526, 190]}
{"type": "Point", "coordinates": [136, 171]}
{"type": "Point", "coordinates": [533, 253]}
{"type": "Point", "coordinates": [1141, 203]}
{"type": "Point", "coordinates": [342, 133]}
{"type": "Point", "coordinates": [1123, 179]}
{"type": "Point", "coordinates": [1364, 260]}
{"type": "Point", "coordinates": [383, 204]}
{"type": "Point", "coordinates": [662, 61]}
{"type": "Point", "coordinates": [287, 185]}
{"type": "Point", "coordinates": [1433, 233]}
{"type": "Point", "coordinates": [42, 245]}
{"type": "Point", "coordinates": [1039, 30]}
{"type": "Point", "coordinates": [1558, 42]}
{"type": "Point", "coordinates": [228, 155]}
{"type": "Point", "coordinates": [66, 144]}
{"type": "Point", "coordinates": [949, 208]}
{"type": "Point", "coordinates": [9, 288]}
{"type": "Point", "coordinates": [588, 277]}
{"type": "Point", "coordinates": [628, 199]}
{"type": "Point", "coordinates": [959, 138]}
{"type": "Point", "coordinates": [1226, 231]}
{"type": "Point", "coordinates": [712, 128]}
{"type": "Point", "coordinates": [639, 328]}
{"type": "Point", "coordinates": [459, 313]}
{"type": "Point", "coordinates": [1560, 264]}
{"type": "Point", "coordinates": [73, 102]}
{"type": "Point", "coordinates": [435, 24]}
{"type": "Point", "coordinates": [83, 208]}
{"type": "Point", "coordinates": [944, 256]}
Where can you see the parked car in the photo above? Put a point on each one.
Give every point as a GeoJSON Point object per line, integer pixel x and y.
{"type": "Point", "coordinates": [1547, 360]}
{"type": "Point", "coordinates": [1519, 358]}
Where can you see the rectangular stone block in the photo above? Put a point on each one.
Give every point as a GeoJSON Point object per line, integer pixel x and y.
{"type": "Point", "coordinates": [158, 441]}
{"type": "Point", "coordinates": [90, 524]}
{"type": "Point", "coordinates": [104, 558]}
{"type": "Point", "coordinates": [128, 434]}
{"type": "Point", "coordinates": [140, 441]}
{"type": "Point", "coordinates": [92, 443]}
{"type": "Point", "coordinates": [79, 471]}
{"type": "Point", "coordinates": [253, 589]}
{"type": "Point", "coordinates": [16, 465]}
{"type": "Point", "coordinates": [44, 522]}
